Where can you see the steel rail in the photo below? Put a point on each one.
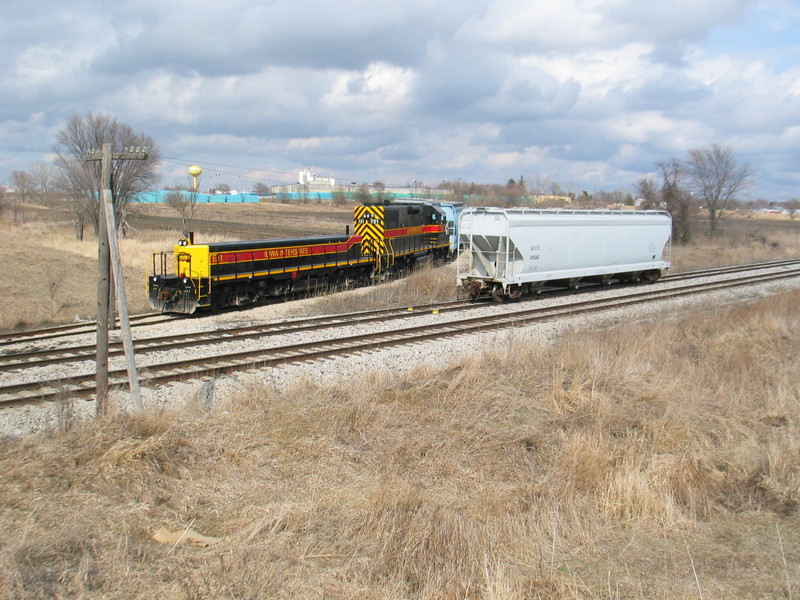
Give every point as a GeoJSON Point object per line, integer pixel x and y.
{"type": "Point", "coordinates": [82, 328]}
{"type": "Point", "coordinates": [207, 367]}
{"type": "Point", "coordinates": [43, 357]}
{"type": "Point", "coordinates": [88, 327]}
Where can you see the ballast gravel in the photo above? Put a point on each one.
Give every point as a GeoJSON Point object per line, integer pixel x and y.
{"type": "Point", "coordinates": [393, 362]}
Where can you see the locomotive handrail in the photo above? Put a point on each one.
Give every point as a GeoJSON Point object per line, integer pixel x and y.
{"type": "Point", "coordinates": [194, 277]}
{"type": "Point", "coordinates": [388, 246]}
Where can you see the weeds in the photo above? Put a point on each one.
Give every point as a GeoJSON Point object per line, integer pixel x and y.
{"type": "Point", "coordinates": [586, 469]}
{"type": "Point", "coordinates": [589, 468]}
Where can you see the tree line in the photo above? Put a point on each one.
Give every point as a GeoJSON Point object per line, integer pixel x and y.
{"type": "Point", "coordinates": [75, 181]}
{"type": "Point", "coordinates": [707, 180]}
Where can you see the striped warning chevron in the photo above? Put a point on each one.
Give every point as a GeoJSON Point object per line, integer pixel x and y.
{"type": "Point", "coordinates": [369, 224]}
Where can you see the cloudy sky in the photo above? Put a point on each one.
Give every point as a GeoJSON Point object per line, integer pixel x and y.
{"type": "Point", "coordinates": [586, 93]}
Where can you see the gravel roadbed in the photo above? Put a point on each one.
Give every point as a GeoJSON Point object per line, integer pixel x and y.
{"type": "Point", "coordinates": [394, 362]}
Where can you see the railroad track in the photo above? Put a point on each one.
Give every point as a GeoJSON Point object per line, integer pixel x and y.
{"type": "Point", "coordinates": [11, 361]}
{"type": "Point", "coordinates": [82, 386]}
{"type": "Point", "coordinates": [64, 332]}
{"type": "Point", "coordinates": [89, 327]}
{"type": "Point", "coordinates": [734, 269]}
{"type": "Point", "coordinates": [73, 329]}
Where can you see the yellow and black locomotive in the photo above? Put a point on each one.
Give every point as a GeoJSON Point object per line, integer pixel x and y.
{"type": "Point", "coordinates": [388, 239]}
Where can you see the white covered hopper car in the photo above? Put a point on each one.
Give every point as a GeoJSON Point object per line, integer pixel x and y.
{"type": "Point", "coordinates": [511, 252]}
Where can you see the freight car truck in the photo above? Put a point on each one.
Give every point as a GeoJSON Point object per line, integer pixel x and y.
{"type": "Point", "coordinates": [512, 252]}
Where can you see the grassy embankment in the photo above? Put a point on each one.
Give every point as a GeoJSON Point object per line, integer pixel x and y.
{"type": "Point", "coordinates": [654, 460]}
{"type": "Point", "coordinates": [648, 461]}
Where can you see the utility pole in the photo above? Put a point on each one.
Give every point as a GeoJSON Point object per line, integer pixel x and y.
{"type": "Point", "coordinates": [106, 227]}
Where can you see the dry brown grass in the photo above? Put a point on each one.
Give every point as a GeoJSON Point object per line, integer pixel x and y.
{"type": "Point", "coordinates": [51, 278]}
{"type": "Point", "coordinates": [427, 284]}
{"type": "Point", "coordinates": [742, 240]}
{"type": "Point", "coordinates": [652, 460]}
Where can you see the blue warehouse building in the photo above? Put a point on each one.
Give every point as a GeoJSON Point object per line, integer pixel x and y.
{"type": "Point", "coordinates": [160, 195]}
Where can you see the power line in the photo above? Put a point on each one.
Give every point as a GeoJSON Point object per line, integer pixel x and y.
{"type": "Point", "coordinates": [218, 167]}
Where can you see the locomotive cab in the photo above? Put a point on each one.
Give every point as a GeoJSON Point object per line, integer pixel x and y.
{"type": "Point", "coordinates": [397, 235]}
{"type": "Point", "coordinates": [186, 285]}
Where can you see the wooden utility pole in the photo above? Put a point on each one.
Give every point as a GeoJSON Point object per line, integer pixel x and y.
{"type": "Point", "coordinates": [122, 303]}
{"type": "Point", "coordinates": [104, 232]}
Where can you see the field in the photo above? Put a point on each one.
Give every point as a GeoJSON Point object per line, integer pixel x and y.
{"type": "Point", "coordinates": [51, 277]}
{"type": "Point", "coordinates": [653, 460]}
{"type": "Point", "coordinates": [59, 284]}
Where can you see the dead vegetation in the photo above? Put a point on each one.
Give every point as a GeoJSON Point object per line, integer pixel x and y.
{"type": "Point", "coordinates": [51, 277]}
{"type": "Point", "coordinates": [651, 460]}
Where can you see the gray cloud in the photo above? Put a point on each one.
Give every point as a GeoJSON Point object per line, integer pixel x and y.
{"type": "Point", "coordinates": [482, 90]}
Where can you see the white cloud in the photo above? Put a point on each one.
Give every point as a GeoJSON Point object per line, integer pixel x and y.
{"type": "Point", "coordinates": [592, 91]}
{"type": "Point", "coordinates": [371, 98]}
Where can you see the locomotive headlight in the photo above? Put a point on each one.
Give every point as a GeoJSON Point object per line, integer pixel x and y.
{"type": "Point", "coordinates": [183, 243]}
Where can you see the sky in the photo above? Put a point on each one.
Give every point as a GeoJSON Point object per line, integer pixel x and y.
{"type": "Point", "coordinates": [589, 94]}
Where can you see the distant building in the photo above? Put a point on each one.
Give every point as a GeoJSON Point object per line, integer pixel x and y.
{"type": "Point", "coordinates": [306, 177]}
{"type": "Point", "coordinates": [311, 186]}
{"type": "Point", "coordinates": [540, 198]}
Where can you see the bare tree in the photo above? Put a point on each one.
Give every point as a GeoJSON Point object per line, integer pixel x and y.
{"type": "Point", "coordinates": [585, 200]}
{"type": "Point", "coordinates": [603, 199]}
{"type": "Point", "coordinates": [670, 195]}
{"type": "Point", "coordinates": [184, 203]}
{"type": "Point", "coordinates": [716, 179]}
{"type": "Point", "coordinates": [44, 177]}
{"type": "Point", "coordinates": [362, 194]}
{"type": "Point", "coordinates": [23, 189]}
{"type": "Point", "coordinates": [262, 189]}
{"type": "Point", "coordinates": [339, 197]}
{"type": "Point", "coordinates": [81, 178]}
{"type": "Point", "coordinates": [676, 198]}
{"type": "Point", "coordinates": [648, 192]}
{"type": "Point", "coordinates": [78, 202]}
{"type": "Point", "coordinates": [540, 184]}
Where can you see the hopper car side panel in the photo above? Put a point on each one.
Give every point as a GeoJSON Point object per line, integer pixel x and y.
{"type": "Point", "coordinates": [513, 251]}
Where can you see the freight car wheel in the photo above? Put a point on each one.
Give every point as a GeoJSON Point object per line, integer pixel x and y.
{"type": "Point", "coordinates": [651, 276]}
{"type": "Point", "coordinates": [474, 290]}
{"type": "Point", "coordinates": [515, 293]}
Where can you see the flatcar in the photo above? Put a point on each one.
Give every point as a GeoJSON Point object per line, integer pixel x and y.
{"type": "Point", "coordinates": [387, 240]}
{"type": "Point", "coordinates": [514, 252]}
